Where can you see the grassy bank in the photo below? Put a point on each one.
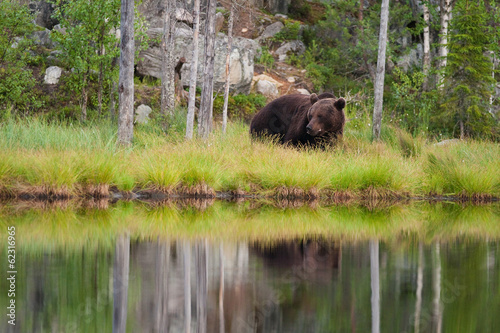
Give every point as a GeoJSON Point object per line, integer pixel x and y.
{"type": "Point", "coordinates": [57, 160]}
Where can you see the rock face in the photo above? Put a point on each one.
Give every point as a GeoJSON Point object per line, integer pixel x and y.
{"type": "Point", "coordinates": [52, 75]}
{"type": "Point", "coordinates": [42, 11]}
{"type": "Point", "coordinates": [294, 46]}
{"type": "Point", "coordinates": [271, 30]}
{"type": "Point", "coordinates": [242, 55]}
{"type": "Point", "coordinates": [274, 6]}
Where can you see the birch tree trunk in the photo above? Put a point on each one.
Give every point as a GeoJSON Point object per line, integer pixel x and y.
{"type": "Point", "coordinates": [126, 80]}
{"type": "Point", "coordinates": [194, 71]}
{"type": "Point", "coordinates": [167, 64]}
{"type": "Point", "coordinates": [206, 103]}
{"type": "Point", "coordinates": [228, 66]}
{"type": "Point", "coordinates": [379, 81]}
{"type": "Point", "coordinates": [427, 46]}
{"type": "Point", "coordinates": [445, 6]}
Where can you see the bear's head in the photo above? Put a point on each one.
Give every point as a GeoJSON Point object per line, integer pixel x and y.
{"type": "Point", "coordinates": [325, 116]}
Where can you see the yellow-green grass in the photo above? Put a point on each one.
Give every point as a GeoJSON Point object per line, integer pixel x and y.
{"type": "Point", "coordinates": [73, 160]}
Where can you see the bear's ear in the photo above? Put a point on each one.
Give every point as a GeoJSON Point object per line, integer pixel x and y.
{"type": "Point", "coordinates": [340, 103]}
{"type": "Point", "coordinates": [313, 98]}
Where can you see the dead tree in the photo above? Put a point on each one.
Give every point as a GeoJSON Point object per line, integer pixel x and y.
{"type": "Point", "coordinates": [206, 104]}
{"type": "Point", "coordinates": [228, 66]}
{"type": "Point", "coordinates": [167, 64]}
{"type": "Point", "coordinates": [126, 80]}
{"type": "Point", "coordinates": [194, 71]}
{"type": "Point", "coordinates": [379, 81]}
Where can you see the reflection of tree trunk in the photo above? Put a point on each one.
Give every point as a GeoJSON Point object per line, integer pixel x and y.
{"type": "Point", "coordinates": [201, 286]}
{"type": "Point", "coordinates": [120, 283]}
{"type": "Point", "coordinates": [437, 315]}
{"type": "Point", "coordinates": [375, 283]}
{"type": "Point", "coordinates": [187, 286]}
{"type": "Point", "coordinates": [420, 278]}
{"type": "Point", "coordinates": [161, 292]}
{"type": "Point", "coordinates": [221, 290]}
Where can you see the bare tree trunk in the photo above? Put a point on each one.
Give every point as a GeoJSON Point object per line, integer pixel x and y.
{"type": "Point", "coordinates": [206, 103]}
{"type": "Point", "coordinates": [379, 81]}
{"type": "Point", "coordinates": [375, 285]}
{"type": "Point", "coordinates": [126, 80]}
{"type": "Point", "coordinates": [120, 283]}
{"type": "Point", "coordinates": [228, 66]}
{"type": "Point", "coordinates": [427, 46]}
{"type": "Point", "coordinates": [84, 96]}
{"type": "Point", "coordinates": [167, 64]}
{"type": "Point", "coordinates": [443, 37]}
{"type": "Point", "coordinates": [194, 71]}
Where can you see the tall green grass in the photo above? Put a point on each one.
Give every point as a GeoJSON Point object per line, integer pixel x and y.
{"type": "Point", "coordinates": [65, 157]}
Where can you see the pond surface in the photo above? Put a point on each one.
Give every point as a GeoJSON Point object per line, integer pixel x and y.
{"type": "Point", "coordinates": [252, 267]}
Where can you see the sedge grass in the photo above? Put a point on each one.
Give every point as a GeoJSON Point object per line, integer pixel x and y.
{"type": "Point", "coordinates": [67, 158]}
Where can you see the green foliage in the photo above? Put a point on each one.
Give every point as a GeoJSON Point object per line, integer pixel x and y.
{"type": "Point", "coordinates": [468, 82]}
{"type": "Point", "coordinates": [265, 58]}
{"type": "Point", "coordinates": [413, 106]}
{"type": "Point", "coordinates": [299, 9]}
{"type": "Point", "coordinates": [291, 31]}
{"type": "Point", "coordinates": [16, 79]}
{"type": "Point", "coordinates": [240, 105]}
{"type": "Point", "coordinates": [90, 46]}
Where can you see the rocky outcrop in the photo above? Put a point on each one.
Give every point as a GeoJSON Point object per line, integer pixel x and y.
{"type": "Point", "coordinates": [295, 47]}
{"type": "Point", "coordinates": [242, 59]}
{"type": "Point", "coordinates": [52, 75]}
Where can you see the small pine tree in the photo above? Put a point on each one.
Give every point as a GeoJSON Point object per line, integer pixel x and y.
{"type": "Point", "coordinates": [468, 81]}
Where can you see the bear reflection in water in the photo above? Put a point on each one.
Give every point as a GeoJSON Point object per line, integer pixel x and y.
{"type": "Point", "coordinates": [301, 120]}
{"type": "Point", "coordinates": [315, 257]}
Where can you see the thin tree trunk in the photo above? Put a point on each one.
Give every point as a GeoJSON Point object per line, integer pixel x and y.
{"type": "Point", "coordinates": [194, 71]}
{"type": "Point", "coordinates": [167, 64]}
{"type": "Point", "coordinates": [120, 283]}
{"type": "Point", "coordinates": [126, 80]}
{"type": "Point", "coordinates": [228, 67]}
{"type": "Point", "coordinates": [375, 285]}
{"type": "Point", "coordinates": [379, 81]}
{"type": "Point", "coordinates": [427, 46]}
{"type": "Point", "coordinates": [443, 37]}
{"type": "Point", "coordinates": [84, 96]}
{"type": "Point", "coordinates": [206, 103]}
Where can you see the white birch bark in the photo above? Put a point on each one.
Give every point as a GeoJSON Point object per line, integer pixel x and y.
{"type": "Point", "coordinates": [427, 46]}
{"type": "Point", "coordinates": [445, 7]}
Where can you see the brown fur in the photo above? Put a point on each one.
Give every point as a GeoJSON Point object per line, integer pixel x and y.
{"type": "Point", "coordinates": [300, 119]}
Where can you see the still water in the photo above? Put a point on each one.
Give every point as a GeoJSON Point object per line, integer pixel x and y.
{"type": "Point", "coordinates": [253, 267]}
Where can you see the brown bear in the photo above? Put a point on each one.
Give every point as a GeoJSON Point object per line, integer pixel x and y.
{"type": "Point", "coordinates": [301, 120]}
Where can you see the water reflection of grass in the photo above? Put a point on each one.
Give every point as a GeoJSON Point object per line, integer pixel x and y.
{"type": "Point", "coordinates": [75, 227]}
{"type": "Point", "coordinates": [65, 160]}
